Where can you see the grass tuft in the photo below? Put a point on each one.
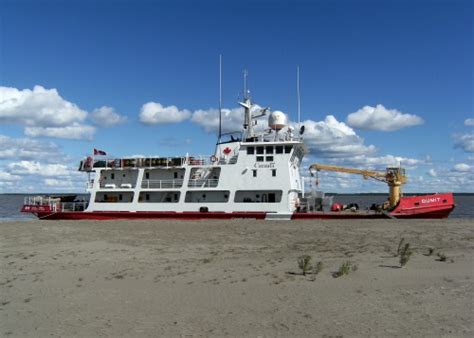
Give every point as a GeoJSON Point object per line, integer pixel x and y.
{"type": "Point", "coordinates": [345, 268]}
{"type": "Point", "coordinates": [304, 263]}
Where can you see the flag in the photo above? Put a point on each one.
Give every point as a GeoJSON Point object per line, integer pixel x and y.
{"type": "Point", "coordinates": [99, 152]}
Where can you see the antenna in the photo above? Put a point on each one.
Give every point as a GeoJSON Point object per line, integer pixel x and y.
{"type": "Point", "coordinates": [220, 98]}
{"type": "Point", "coordinates": [298, 94]}
{"type": "Point", "coordinates": [246, 73]}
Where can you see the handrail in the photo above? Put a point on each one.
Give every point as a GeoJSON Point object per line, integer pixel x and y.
{"type": "Point", "coordinates": [89, 163]}
{"type": "Point", "coordinates": [53, 204]}
{"type": "Point", "coordinates": [162, 184]}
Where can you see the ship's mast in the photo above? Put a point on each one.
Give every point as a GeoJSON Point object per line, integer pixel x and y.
{"type": "Point", "coordinates": [220, 99]}
{"type": "Point", "coordinates": [247, 104]}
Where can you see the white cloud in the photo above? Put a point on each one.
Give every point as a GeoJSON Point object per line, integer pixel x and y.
{"type": "Point", "coordinates": [107, 117]}
{"type": "Point", "coordinates": [4, 176]}
{"type": "Point", "coordinates": [432, 173]}
{"type": "Point", "coordinates": [40, 169]}
{"type": "Point", "coordinates": [381, 162]}
{"type": "Point", "coordinates": [76, 131]}
{"type": "Point", "coordinates": [37, 107]}
{"type": "Point", "coordinates": [232, 119]}
{"type": "Point", "coordinates": [469, 122]}
{"type": "Point", "coordinates": [331, 138]}
{"type": "Point", "coordinates": [381, 118]}
{"type": "Point", "coordinates": [465, 142]}
{"type": "Point", "coordinates": [44, 113]}
{"type": "Point", "coordinates": [462, 167]}
{"type": "Point", "coordinates": [27, 149]}
{"type": "Point", "coordinates": [155, 113]}
{"type": "Point", "coordinates": [53, 182]}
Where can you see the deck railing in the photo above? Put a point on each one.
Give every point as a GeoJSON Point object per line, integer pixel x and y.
{"type": "Point", "coordinates": [47, 203]}
{"type": "Point", "coordinates": [162, 184]}
{"type": "Point", "coordinates": [165, 162]}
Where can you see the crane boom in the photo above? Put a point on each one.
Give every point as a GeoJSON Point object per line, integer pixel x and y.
{"type": "Point", "coordinates": [378, 175]}
{"type": "Point", "coordinates": [394, 177]}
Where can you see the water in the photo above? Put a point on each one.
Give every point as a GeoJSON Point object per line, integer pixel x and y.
{"type": "Point", "coordinates": [10, 205]}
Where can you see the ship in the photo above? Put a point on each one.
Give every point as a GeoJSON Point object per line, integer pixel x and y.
{"type": "Point", "coordinates": [254, 173]}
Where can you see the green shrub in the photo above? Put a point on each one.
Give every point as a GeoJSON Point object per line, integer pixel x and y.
{"type": "Point", "coordinates": [304, 263]}
{"type": "Point", "coordinates": [344, 269]}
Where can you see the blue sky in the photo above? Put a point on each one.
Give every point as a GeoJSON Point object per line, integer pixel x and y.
{"type": "Point", "coordinates": [403, 69]}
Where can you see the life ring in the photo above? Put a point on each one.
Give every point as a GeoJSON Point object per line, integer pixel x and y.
{"type": "Point", "coordinates": [213, 158]}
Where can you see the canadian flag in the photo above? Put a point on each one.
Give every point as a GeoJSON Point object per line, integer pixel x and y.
{"type": "Point", "coordinates": [99, 152]}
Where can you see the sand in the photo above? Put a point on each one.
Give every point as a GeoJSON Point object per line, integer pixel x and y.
{"type": "Point", "coordinates": [238, 278]}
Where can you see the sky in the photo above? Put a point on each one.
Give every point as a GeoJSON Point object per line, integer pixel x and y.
{"type": "Point", "coordinates": [382, 82]}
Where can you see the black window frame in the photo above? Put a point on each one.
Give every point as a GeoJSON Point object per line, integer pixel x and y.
{"type": "Point", "coordinates": [250, 150]}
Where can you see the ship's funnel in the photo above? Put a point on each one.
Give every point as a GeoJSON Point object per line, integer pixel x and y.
{"type": "Point", "coordinates": [277, 120]}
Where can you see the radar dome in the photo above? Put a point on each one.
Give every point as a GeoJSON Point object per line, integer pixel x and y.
{"type": "Point", "coordinates": [277, 120]}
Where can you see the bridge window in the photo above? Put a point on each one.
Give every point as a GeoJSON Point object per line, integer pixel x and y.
{"type": "Point", "coordinates": [250, 150]}
{"type": "Point", "coordinates": [288, 149]}
{"type": "Point", "coordinates": [279, 149]}
{"type": "Point", "coordinates": [259, 150]}
{"type": "Point", "coordinates": [269, 159]}
{"type": "Point", "coordinates": [259, 158]}
{"type": "Point", "coordinates": [269, 149]}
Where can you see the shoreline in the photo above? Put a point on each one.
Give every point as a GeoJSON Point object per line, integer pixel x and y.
{"type": "Point", "coordinates": [148, 278]}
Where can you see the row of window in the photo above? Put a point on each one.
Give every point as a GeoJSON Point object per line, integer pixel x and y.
{"type": "Point", "coordinates": [241, 196]}
{"type": "Point", "coordinates": [259, 150]}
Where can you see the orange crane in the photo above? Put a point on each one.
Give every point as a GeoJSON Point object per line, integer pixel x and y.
{"type": "Point", "coordinates": [394, 177]}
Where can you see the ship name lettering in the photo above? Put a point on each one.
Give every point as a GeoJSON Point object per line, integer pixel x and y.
{"type": "Point", "coordinates": [430, 200]}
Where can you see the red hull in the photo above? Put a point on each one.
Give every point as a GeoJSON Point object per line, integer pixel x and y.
{"type": "Point", "coordinates": [426, 206]}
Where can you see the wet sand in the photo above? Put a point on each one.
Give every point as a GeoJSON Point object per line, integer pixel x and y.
{"type": "Point", "coordinates": [149, 278]}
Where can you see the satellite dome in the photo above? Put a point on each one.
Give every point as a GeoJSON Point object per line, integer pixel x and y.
{"type": "Point", "coordinates": [277, 120]}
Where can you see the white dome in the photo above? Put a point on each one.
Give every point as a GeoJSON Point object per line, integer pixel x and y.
{"type": "Point", "coordinates": [277, 120]}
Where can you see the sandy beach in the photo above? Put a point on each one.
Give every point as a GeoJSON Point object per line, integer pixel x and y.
{"type": "Point", "coordinates": [149, 278]}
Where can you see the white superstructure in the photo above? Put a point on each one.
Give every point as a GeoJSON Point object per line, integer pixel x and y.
{"type": "Point", "coordinates": [249, 172]}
